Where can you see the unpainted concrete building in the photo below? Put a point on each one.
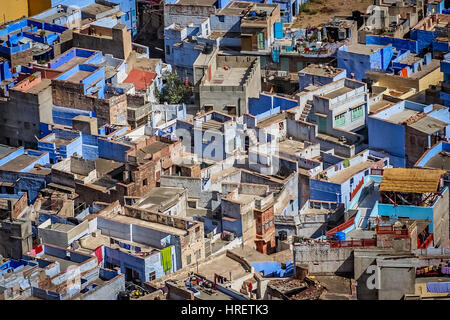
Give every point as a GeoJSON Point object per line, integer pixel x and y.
{"type": "Point", "coordinates": [229, 83]}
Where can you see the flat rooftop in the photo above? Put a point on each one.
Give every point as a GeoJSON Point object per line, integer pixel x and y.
{"type": "Point", "coordinates": [363, 49]}
{"type": "Point", "coordinates": [151, 149]}
{"type": "Point", "coordinates": [259, 8]}
{"type": "Point", "coordinates": [60, 227]}
{"type": "Point", "coordinates": [402, 116]}
{"type": "Point", "coordinates": [236, 8]}
{"type": "Point", "coordinates": [79, 75]}
{"type": "Point", "coordinates": [19, 163]}
{"type": "Point", "coordinates": [440, 161]}
{"type": "Point", "coordinates": [36, 88]}
{"type": "Point", "coordinates": [5, 150]}
{"type": "Point", "coordinates": [336, 93]}
{"type": "Point", "coordinates": [426, 69]}
{"type": "Point", "coordinates": [246, 198]}
{"type": "Point", "coordinates": [324, 70]}
{"type": "Point", "coordinates": [197, 2]}
{"type": "Point", "coordinates": [50, 18]}
{"type": "Point", "coordinates": [378, 106]}
{"type": "Point", "coordinates": [71, 63]}
{"type": "Point", "coordinates": [63, 263]}
{"type": "Point", "coordinates": [290, 146]}
{"type": "Point", "coordinates": [104, 183]}
{"type": "Point", "coordinates": [343, 175]}
{"type": "Point", "coordinates": [428, 125]}
{"type": "Point", "coordinates": [222, 265]}
{"type": "Point", "coordinates": [161, 197]}
{"type": "Point", "coordinates": [148, 224]}
{"type": "Point", "coordinates": [96, 8]}
{"type": "Point", "coordinates": [230, 77]}
{"type": "Point", "coordinates": [211, 125]}
{"type": "Point", "coordinates": [410, 59]}
{"type": "Point", "coordinates": [59, 142]}
{"type": "Point", "coordinates": [105, 166]}
{"type": "Point", "coordinates": [275, 118]}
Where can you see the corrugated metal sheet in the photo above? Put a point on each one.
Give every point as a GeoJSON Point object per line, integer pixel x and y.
{"type": "Point", "coordinates": [411, 180]}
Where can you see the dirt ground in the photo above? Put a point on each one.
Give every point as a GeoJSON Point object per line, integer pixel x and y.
{"type": "Point", "coordinates": [320, 11]}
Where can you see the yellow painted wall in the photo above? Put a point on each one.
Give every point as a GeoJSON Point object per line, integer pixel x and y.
{"type": "Point", "coordinates": [13, 10]}
{"type": "Point", "coordinates": [38, 6]}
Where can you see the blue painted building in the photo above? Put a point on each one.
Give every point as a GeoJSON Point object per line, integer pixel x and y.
{"type": "Point", "coordinates": [358, 58]}
{"type": "Point", "coordinates": [397, 43]}
{"type": "Point", "coordinates": [268, 104]}
{"type": "Point", "coordinates": [318, 75]}
{"type": "Point", "coordinates": [426, 31]}
{"type": "Point", "coordinates": [32, 30]}
{"type": "Point", "coordinates": [428, 159]}
{"type": "Point", "coordinates": [62, 15]}
{"type": "Point", "coordinates": [445, 69]}
{"type": "Point", "coordinates": [390, 135]}
{"type": "Point", "coordinates": [427, 199]}
{"type": "Point", "coordinates": [6, 77]}
{"type": "Point", "coordinates": [23, 170]}
{"type": "Point", "coordinates": [435, 6]}
{"type": "Point", "coordinates": [126, 6]}
{"type": "Point", "coordinates": [344, 181]}
{"type": "Point", "coordinates": [62, 143]}
{"type": "Point", "coordinates": [91, 77]}
{"type": "Point", "coordinates": [184, 45]}
{"type": "Point", "coordinates": [288, 9]}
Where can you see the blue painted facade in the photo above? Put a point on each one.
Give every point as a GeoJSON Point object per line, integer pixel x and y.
{"type": "Point", "coordinates": [83, 145]}
{"type": "Point", "coordinates": [445, 69]}
{"type": "Point", "coordinates": [436, 7]}
{"type": "Point", "coordinates": [64, 115]}
{"type": "Point", "coordinates": [358, 62]}
{"type": "Point", "coordinates": [92, 56]}
{"type": "Point", "coordinates": [424, 38]}
{"type": "Point", "coordinates": [26, 28]}
{"type": "Point", "coordinates": [441, 146]}
{"type": "Point", "coordinates": [307, 79]}
{"type": "Point", "coordinates": [182, 57]}
{"type": "Point", "coordinates": [267, 105]}
{"type": "Point", "coordinates": [382, 131]}
{"type": "Point", "coordinates": [323, 190]}
{"type": "Point", "coordinates": [61, 20]}
{"type": "Point", "coordinates": [94, 83]}
{"type": "Point", "coordinates": [126, 6]}
{"type": "Point", "coordinates": [288, 9]}
{"type": "Point", "coordinates": [412, 212]}
{"type": "Point", "coordinates": [5, 71]}
{"type": "Point", "coordinates": [22, 179]}
{"type": "Point", "coordinates": [40, 157]}
{"type": "Point", "coordinates": [397, 43]}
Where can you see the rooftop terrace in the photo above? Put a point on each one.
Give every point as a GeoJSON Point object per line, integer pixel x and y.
{"type": "Point", "coordinates": [322, 70]}
{"type": "Point", "coordinates": [364, 49]}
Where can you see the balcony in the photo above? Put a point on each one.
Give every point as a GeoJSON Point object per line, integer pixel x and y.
{"type": "Point", "coordinates": [353, 243]}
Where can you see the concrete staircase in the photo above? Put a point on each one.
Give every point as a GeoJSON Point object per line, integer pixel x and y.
{"type": "Point", "coordinates": [305, 111]}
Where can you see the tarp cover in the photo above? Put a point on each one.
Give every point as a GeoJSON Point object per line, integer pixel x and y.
{"type": "Point", "coordinates": [273, 269]}
{"type": "Point", "coordinates": [438, 287]}
{"type": "Point", "coordinates": [411, 180]}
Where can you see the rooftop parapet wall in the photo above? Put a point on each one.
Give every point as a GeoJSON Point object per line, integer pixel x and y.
{"type": "Point", "coordinates": [176, 222]}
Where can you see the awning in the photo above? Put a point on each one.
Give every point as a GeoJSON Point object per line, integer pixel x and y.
{"type": "Point", "coordinates": [411, 180]}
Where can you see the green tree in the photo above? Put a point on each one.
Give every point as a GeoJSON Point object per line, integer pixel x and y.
{"type": "Point", "coordinates": [175, 91]}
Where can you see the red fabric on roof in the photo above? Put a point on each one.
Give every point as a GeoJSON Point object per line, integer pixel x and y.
{"type": "Point", "coordinates": [99, 254]}
{"type": "Point", "coordinates": [141, 79]}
